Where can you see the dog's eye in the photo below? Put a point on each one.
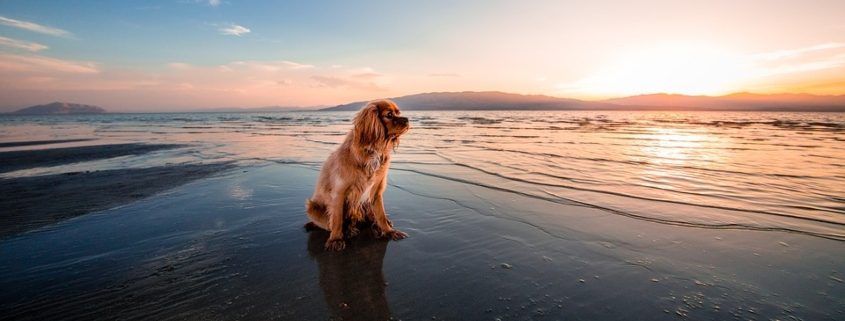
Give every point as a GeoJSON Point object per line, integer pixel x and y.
{"type": "Point", "coordinates": [390, 114]}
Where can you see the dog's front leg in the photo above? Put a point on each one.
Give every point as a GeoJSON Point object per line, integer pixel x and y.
{"type": "Point", "coordinates": [335, 212]}
{"type": "Point", "coordinates": [383, 224]}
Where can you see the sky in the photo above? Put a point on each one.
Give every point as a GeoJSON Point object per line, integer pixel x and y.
{"type": "Point", "coordinates": [172, 55]}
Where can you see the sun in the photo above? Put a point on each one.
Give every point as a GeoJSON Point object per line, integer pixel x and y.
{"type": "Point", "coordinates": [677, 68]}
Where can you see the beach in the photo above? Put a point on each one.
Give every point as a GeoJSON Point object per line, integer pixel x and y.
{"type": "Point", "coordinates": [536, 160]}
{"type": "Point", "coordinates": [161, 226]}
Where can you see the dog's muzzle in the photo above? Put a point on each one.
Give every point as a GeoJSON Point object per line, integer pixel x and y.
{"type": "Point", "coordinates": [402, 121]}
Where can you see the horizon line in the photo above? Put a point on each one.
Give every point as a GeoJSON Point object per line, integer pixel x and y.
{"type": "Point", "coordinates": [607, 101]}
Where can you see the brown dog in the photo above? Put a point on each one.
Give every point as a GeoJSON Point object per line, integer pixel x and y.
{"type": "Point", "coordinates": [354, 177]}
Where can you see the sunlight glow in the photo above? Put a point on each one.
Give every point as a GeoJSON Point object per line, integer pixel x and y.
{"type": "Point", "coordinates": [680, 69]}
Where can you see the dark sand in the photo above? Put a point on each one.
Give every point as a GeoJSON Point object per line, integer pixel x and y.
{"type": "Point", "coordinates": [233, 247]}
{"type": "Point", "coordinates": [33, 202]}
{"type": "Point", "coordinates": [44, 142]}
{"type": "Point", "coordinates": [17, 160]}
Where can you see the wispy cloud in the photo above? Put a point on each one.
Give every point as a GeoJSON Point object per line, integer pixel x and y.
{"type": "Point", "coordinates": [296, 65]}
{"type": "Point", "coordinates": [359, 81]}
{"type": "Point", "coordinates": [829, 63]}
{"type": "Point", "coordinates": [807, 59]}
{"type": "Point", "coordinates": [41, 64]}
{"type": "Point", "coordinates": [331, 81]}
{"type": "Point", "coordinates": [366, 73]}
{"type": "Point", "coordinates": [28, 77]}
{"type": "Point", "coordinates": [19, 44]}
{"type": "Point", "coordinates": [234, 30]}
{"type": "Point", "coordinates": [790, 53]}
{"type": "Point", "coordinates": [211, 3]}
{"type": "Point", "coordinates": [271, 66]}
{"type": "Point", "coordinates": [444, 75]}
{"type": "Point", "coordinates": [34, 27]}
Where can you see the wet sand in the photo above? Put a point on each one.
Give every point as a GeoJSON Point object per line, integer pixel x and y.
{"type": "Point", "coordinates": [232, 246]}
{"type": "Point", "coordinates": [32, 202]}
{"type": "Point", "coordinates": [43, 142]}
{"type": "Point", "coordinates": [17, 160]}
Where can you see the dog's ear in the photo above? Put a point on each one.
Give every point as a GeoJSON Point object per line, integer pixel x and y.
{"type": "Point", "coordinates": [368, 127]}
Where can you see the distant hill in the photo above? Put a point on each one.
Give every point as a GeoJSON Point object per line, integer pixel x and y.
{"type": "Point", "coordinates": [486, 100]}
{"type": "Point", "coordinates": [60, 108]}
{"type": "Point", "coordinates": [738, 101]}
{"type": "Point", "coordinates": [494, 100]}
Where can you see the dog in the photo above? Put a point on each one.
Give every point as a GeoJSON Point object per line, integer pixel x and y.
{"type": "Point", "coordinates": [353, 178]}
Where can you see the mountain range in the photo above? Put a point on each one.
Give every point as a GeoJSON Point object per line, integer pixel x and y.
{"type": "Point", "coordinates": [483, 100]}
{"type": "Point", "coordinates": [492, 100]}
{"type": "Point", "coordinates": [737, 101]}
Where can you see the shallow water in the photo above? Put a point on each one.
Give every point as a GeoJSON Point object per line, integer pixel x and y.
{"type": "Point", "coordinates": [745, 170]}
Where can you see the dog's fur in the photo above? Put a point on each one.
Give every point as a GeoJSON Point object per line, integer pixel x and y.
{"type": "Point", "coordinates": [349, 189]}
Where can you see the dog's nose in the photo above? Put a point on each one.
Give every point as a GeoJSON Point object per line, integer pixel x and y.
{"type": "Point", "coordinates": [403, 120]}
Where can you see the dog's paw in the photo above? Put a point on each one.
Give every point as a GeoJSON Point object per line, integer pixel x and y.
{"type": "Point", "coordinates": [395, 235]}
{"type": "Point", "coordinates": [335, 245]}
{"type": "Point", "coordinates": [352, 232]}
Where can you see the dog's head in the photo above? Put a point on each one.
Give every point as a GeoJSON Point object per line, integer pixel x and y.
{"type": "Point", "coordinates": [380, 122]}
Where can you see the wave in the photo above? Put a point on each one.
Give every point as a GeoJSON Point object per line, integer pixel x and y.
{"type": "Point", "coordinates": [568, 201]}
{"type": "Point", "coordinates": [633, 162]}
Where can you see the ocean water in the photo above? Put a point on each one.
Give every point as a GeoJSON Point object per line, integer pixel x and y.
{"type": "Point", "coordinates": [730, 170]}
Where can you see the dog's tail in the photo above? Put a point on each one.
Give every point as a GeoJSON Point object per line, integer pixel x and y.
{"type": "Point", "coordinates": [317, 215]}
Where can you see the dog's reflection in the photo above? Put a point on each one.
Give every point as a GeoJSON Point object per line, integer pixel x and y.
{"type": "Point", "coordinates": [352, 280]}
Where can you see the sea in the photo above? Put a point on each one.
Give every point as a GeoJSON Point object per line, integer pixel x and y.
{"type": "Point", "coordinates": [782, 171]}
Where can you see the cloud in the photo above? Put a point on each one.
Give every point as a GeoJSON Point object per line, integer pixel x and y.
{"type": "Point", "coordinates": [818, 65]}
{"type": "Point", "coordinates": [358, 79]}
{"type": "Point", "coordinates": [19, 44]}
{"type": "Point", "coordinates": [331, 81]}
{"type": "Point", "coordinates": [41, 64]}
{"type": "Point", "coordinates": [34, 27]}
{"type": "Point", "coordinates": [339, 82]}
{"type": "Point", "coordinates": [790, 53]}
{"type": "Point", "coordinates": [212, 3]}
{"type": "Point", "coordinates": [27, 78]}
{"type": "Point", "coordinates": [271, 66]}
{"type": "Point", "coordinates": [444, 75]}
{"type": "Point", "coordinates": [799, 60]}
{"type": "Point", "coordinates": [234, 30]}
{"type": "Point", "coordinates": [366, 73]}
{"type": "Point", "coordinates": [296, 65]}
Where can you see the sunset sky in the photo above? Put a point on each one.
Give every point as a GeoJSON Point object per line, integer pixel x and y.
{"type": "Point", "coordinates": [187, 54]}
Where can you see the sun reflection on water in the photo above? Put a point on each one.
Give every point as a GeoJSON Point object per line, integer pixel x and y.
{"type": "Point", "coordinates": [671, 146]}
